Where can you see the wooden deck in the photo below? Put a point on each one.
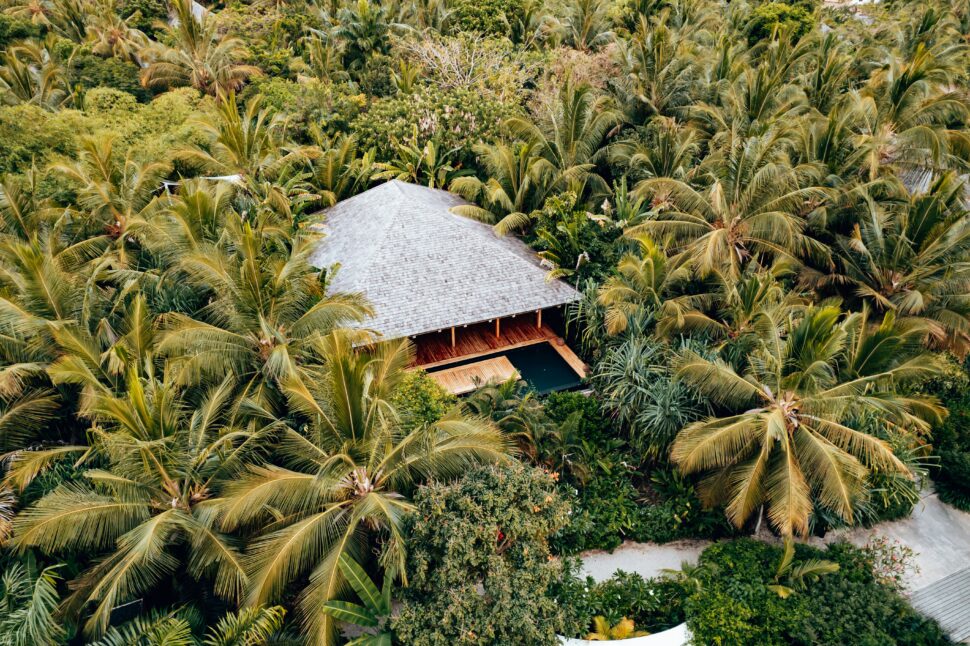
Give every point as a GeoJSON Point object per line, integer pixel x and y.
{"type": "Point", "coordinates": [433, 350]}
{"type": "Point", "coordinates": [467, 377]}
{"type": "Point", "coordinates": [569, 356]}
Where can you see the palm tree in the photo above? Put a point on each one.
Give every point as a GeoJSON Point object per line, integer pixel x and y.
{"type": "Point", "coordinates": [199, 56]}
{"type": "Point", "coordinates": [339, 171]}
{"type": "Point", "coordinates": [519, 181]}
{"type": "Point", "coordinates": [29, 602]}
{"type": "Point", "coordinates": [344, 480]}
{"type": "Point", "coordinates": [363, 25]}
{"type": "Point", "coordinates": [427, 164]}
{"type": "Point", "coordinates": [660, 71]}
{"type": "Point", "coordinates": [570, 135]}
{"type": "Point", "coordinates": [32, 74]}
{"type": "Point", "coordinates": [266, 312]}
{"type": "Point", "coordinates": [752, 207]}
{"type": "Point", "coordinates": [642, 283]}
{"type": "Point", "coordinates": [250, 143]}
{"type": "Point", "coordinates": [112, 192]}
{"type": "Point", "coordinates": [785, 439]}
{"type": "Point", "coordinates": [111, 35]}
{"type": "Point", "coordinates": [162, 458]}
{"type": "Point", "coordinates": [24, 213]}
{"type": "Point", "coordinates": [249, 149]}
{"type": "Point", "coordinates": [586, 24]}
{"type": "Point", "coordinates": [175, 628]}
{"type": "Point", "coordinates": [909, 111]}
{"type": "Point", "coordinates": [912, 259]}
{"type": "Point", "coordinates": [664, 148]}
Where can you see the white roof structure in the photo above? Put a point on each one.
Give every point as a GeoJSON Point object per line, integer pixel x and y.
{"type": "Point", "coordinates": [424, 268]}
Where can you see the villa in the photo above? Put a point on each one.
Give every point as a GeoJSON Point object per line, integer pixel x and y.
{"type": "Point", "coordinates": [477, 306]}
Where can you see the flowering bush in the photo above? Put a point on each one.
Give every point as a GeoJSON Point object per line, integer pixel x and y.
{"type": "Point", "coordinates": [456, 119]}
{"type": "Point", "coordinates": [891, 561]}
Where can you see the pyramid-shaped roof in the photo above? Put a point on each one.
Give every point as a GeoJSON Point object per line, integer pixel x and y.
{"type": "Point", "coordinates": [424, 268]}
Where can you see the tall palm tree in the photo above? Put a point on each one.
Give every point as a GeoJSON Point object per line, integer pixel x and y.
{"type": "Point", "coordinates": [112, 192]}
{"type": "Point", "coordinates": [199, 56]}
{"type": "Point", "coordinates": [519, 181]}
{"type": "Point", "coordinates": [267, 309]}
{"type": "Point", "coordinates": [250, 142]}
{"type": "Point", "coordinates": [570, 134]}
{"type": "Point", "coordinates": [913, 259]}
{"type": "Point", "coordinates": [364, 26]}
{"type": "Point", "coordinates": [661, 73]}
{"type": "Point", "coordinates": [339, 170]}
{"type": "Point", "coordinates": [909, 111]}
{"type": "Point", "coordinates": [586, 24]}
{"type": "Point", "coordinates": [163, 457]}
{"type": "Point", "coordinates": [343, 480]}
{"type": "Point", "coordinates": [664, 148]}
{"type": "Point", "coordinates": [32, 74]}
{"type": "Point", "coordinates": [642, 282]}
{"type": "Point", "coordinates": [785, 438]}
{"type": "Point", "coordinates": [752, 206]}
{"type": "Point", "coordinates": [111, 35]}
{"type": "Point", "coordinates": [249, 149]}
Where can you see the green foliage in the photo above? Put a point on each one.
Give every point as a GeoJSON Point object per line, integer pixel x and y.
{"type": "Point", "coordinates": [421, 400]}
{"type": "Point", "coordinates": [789, 19]}
{"type": "Point", "coordinates": [653, 604]}
{"type": "Point", "coordinates": [951, 440]}
{"type": "Point", "coordinates": [734, 604]}
{"type": "Point", "coordinates": [577, 246]}
{"type": "Point", "coordinates": [479, 567]}
{"type": "Point", "coordinates": [28, 604]}
{"type": "Point", "coordinates": [310, 105]}
{"type": "Point", "coordinates": [91, 71]}
{"type": "Point", "coordinates": [375, 612]}
{"type": "Point", "coordinates": [34, 135]}
{"type": "Point", "coordinates": [152, 131]}
{"type": "Point", "coordinates": [14, 29]}
{"type": "Point", "coordinates": [609, 509]}
{"type": "Point", "coordinates": [488, 17]}
{"type": "Point", "coordinates": [144, 14]}
{"type": "Point", "coordinates": [455, 119]}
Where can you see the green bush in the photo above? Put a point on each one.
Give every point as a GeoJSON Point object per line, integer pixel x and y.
{"type": "Point", "coordinates": [564, 232]}
{"type": "Point", "coordinates": [14, 29]}
{"type": "Point", "coordinates": [421, 400]}
{"type": "Point", "coordinates": [31, 134]}
{"type": "Point", "coordinates": [457, 119]}
{"type": "Point", "coordinates": [272, 31]}
{"type": "Point", "coordinates": [479, 567]}
{"type": "Point", "coordinates": [951, 438]}
{"type": "Point", "coordinates": [487, 17]}
{"type": "Point", "coordinates": [778, 15]}
{"type": "Point", "coordinates": [149, 13]}
{"type": "Point", "coordinates": [734, 606]}
{"type": "Point", "coordinates": [653, 604]}
{"type": "Point", "coordinates": [90, 71]}
{"type": "Point", "coordinates": [330, 107]}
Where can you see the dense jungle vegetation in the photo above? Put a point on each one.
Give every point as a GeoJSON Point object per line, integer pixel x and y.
{"type": "Point", "coordinates": [764, 205]}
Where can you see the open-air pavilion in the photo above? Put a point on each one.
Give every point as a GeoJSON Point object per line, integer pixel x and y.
{"type": "Point", "coordinates": [477, 306]}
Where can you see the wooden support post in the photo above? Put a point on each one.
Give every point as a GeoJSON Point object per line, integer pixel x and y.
{"type": "Point", "coordinates": [498, 329]}
{"type": "Point", "coordinates": [452, 337]}
{"type": "Point", "coordinates": [539, 319]}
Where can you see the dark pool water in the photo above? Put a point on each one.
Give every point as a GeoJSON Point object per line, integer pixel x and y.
{"type": "Point", "coordinates": [539, 364]}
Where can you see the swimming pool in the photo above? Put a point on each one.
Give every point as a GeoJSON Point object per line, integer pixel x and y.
{"type": "Point", "coordinates": [539, 364]}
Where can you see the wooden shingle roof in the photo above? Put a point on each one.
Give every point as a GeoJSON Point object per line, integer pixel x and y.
{"type": "Point", "coordinates": [425, 269]}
